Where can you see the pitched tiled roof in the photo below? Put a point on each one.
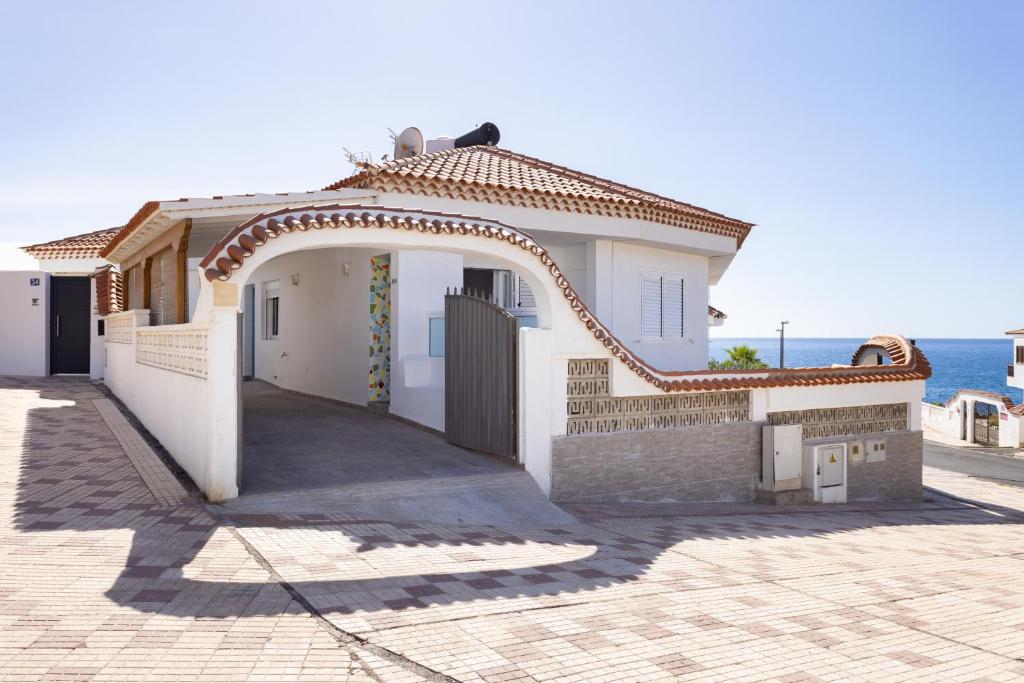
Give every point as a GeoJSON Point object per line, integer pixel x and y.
{"type": "Point", "coordinates": [121, 233]}
{"type": "Point", "coordinates": [1015, 332]}
{"type": "Point", "coordinates": [227, 256]}
{"type": "Point", "coordinates": [498, 176]}
{"type": "Point", "coordinates": [88, 245]}
{"type": "Point", "coordinates": [715, 313]}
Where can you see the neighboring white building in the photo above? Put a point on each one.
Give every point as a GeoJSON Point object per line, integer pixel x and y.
{"type": "Point", "coordinates": [1015, 370]}
{"type": "Point", "coordinates": [607, 288]}
{"type": "Point", "coordinates": [980, 417]}
{"type": "Point", "coordinates": [54, 323]}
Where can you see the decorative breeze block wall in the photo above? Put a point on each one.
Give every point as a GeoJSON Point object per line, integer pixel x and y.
{"type": "Point", "coordinates": [181, 351]}
{"type": "Point", "coordinates": [591, 409]}
{"type": "Point", "coordinates": [119, 329]}
{"type": "Point", "coordinates": [824, 423]}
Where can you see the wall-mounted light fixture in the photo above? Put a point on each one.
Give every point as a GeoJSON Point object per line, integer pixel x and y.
{"type": "Point", "coordinates": [346, 268]}
{"type": "Point", "coordinates": [295, 278]}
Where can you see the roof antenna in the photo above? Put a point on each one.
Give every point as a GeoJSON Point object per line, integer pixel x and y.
{"type": "Point", "coordinates": [360, 159]}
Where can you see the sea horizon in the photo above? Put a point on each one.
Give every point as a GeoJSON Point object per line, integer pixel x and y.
{"type": "Point", "coordinates": [957, 362]}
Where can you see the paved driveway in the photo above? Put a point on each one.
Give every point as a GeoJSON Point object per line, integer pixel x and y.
{"type": "Point", "coordinates": [111, 572]}
{"type": "Point", "coordinates": [313, 456]}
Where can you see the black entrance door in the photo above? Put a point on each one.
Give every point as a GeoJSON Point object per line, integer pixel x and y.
{"type": "Point", "coordinates": [69, 325]}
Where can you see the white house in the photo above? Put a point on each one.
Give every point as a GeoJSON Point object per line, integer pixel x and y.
{"type": "Point", "coordinates": [55, 319]}
{"type": "Point", "coordinates": [980, 417]}
{"type": "Point", "coordinates": [592, 344]}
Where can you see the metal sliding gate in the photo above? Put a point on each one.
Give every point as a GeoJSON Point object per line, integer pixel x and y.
{"type": "Point", "coordinates": [480, 346]}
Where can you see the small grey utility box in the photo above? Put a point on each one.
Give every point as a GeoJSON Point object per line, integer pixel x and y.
{"type": "Point", "coordinates": [781, 457]}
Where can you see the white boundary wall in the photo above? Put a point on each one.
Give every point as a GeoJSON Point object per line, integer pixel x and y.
{"type": "Point", "coordinates": [949, 421]}
{"type": "Point", "coordinates": [181, 382]}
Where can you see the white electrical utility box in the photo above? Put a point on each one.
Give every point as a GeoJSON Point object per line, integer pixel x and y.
{"type": "Point", "coordinates": [876, 450]}
{"type": "Point", "coordinates": [781, 457]}
{"type": "Point", "coordinates": [830, 473]}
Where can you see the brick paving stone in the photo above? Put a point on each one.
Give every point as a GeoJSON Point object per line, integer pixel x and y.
{"type": "Point", "coordinates": [113, 573]}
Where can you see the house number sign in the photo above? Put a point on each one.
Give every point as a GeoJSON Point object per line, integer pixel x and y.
{"type": "Point", "coordinates": [33, 282]}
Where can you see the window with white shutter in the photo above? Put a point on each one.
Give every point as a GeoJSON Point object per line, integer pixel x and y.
{"type": "Point", "coordinates": [650, 305]}
{"type": "Point", "coordinates": [662, 300]}
{"type": "Point", "coordinates": [672, 308]}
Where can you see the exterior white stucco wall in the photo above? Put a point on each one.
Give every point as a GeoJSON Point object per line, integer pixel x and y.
{"type": "Point", "coordinates": [1017, 378]}
{"type": "Point", "coordinates": [24, 336]}
{"type": "Point", "coordinates": [957, 420]}
{"type": "Point", "coordinates": [324, 332]}
{"type": "Point", "coordinates": [197, 420]}
{"type": "Point", "coordinates": [419, 279]}
{"type": "Point", "coordinates": [627, 262]}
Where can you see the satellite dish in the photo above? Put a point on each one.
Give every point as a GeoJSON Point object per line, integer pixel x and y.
{"type": "Point", "coordinates": [409, 143]}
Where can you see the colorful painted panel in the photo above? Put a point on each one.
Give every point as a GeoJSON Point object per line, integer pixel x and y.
{"type": "Point", "coordinates": [380, 328]}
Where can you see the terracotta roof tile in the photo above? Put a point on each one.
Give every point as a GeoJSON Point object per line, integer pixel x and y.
{"type": "Point", "coordinates": [1016, 331]}
{"type": "Point", "coordinates": [715, 313]}
{"type": "Point", "coordinates": [109, 290]}
{"type": "Point", "coordinates": [499, 176]}
{"type": "Point", "coordinates": [908, 363]}
{"type": "Point", "coordinates": [88, 245]}
{"type": "Point", "coordinates": [144, 212]}
{"type": "Point", "coordinates": [992, 396]}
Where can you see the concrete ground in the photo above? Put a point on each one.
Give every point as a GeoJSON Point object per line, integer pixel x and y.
{"type": "Point", "coordinates": [113, 572]}
{"type": "Point", "coordinates": [308, 455]}
{"type": "Point", "coordinates": [998, 465]}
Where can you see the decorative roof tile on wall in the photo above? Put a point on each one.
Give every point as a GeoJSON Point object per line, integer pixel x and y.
{"type": "Point", "coordinates": [908, 363]}
{"type": "Point", "coordinates": [84, 246]}
{"type": "Point", "coordinates": [109, 290]}
{"type": "Point", "coordinates": [499, 176]}
{"type": "Point", "coordinates": [990, 395]}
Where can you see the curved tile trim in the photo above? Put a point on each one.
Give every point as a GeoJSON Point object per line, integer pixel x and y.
{"type": "Point", "coordinates": [908, 363]}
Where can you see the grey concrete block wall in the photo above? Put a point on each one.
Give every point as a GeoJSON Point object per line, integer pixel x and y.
{"type": "Point", "coordinates": [689, 464]}
{"type": "Point", "coordinates": [898, 477]}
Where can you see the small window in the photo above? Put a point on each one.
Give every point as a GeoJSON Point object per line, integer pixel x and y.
{"type": "Point", "coordinates": [271, 310]}
{"type": "Point", "coordinates": [662, 302]}
{"type": "Point", "coordinates": [436, 337]}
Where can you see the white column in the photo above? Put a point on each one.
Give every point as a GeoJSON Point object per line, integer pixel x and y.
{"type": "Point", "coordinates": [223, 385]}
{"type": "Point", "coordinates": [535, 404]}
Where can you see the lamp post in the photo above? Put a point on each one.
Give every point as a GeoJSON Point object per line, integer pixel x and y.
{"type": "Point", "coordinates": [782, 343]}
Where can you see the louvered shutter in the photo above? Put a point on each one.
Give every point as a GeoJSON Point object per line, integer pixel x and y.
{"type": "Point", "coordinates": [135, 284]}
{"type": "Point", "coordinates": [526, 298]}
{"type": "Point", "coordinates": [672, 306]}
{"type": "Point", "coordinates": [162, 293]}
{"type": "Point", "coordinates": [650, 306]}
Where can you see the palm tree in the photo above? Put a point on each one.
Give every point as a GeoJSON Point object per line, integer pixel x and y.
{"type": "Point", "coordinates": [741, 357]}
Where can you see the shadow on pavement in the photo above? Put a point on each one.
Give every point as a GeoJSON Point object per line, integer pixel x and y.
{"type": "Point", "coordinates": [74, 476]}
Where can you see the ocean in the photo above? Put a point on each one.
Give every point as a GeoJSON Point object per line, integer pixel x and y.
{"type": "Point", "coordinates": [956, 363]}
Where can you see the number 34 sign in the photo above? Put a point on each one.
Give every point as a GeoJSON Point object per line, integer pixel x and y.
{"type": "Point", "coordinates": [33, 282]}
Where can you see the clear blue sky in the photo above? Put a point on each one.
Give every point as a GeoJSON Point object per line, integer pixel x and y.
{"type": "Point", "coordinates": [878, 146]}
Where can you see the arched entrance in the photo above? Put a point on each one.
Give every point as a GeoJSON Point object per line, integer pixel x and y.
{"type": "Point", "coordinates": [333, 337]}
